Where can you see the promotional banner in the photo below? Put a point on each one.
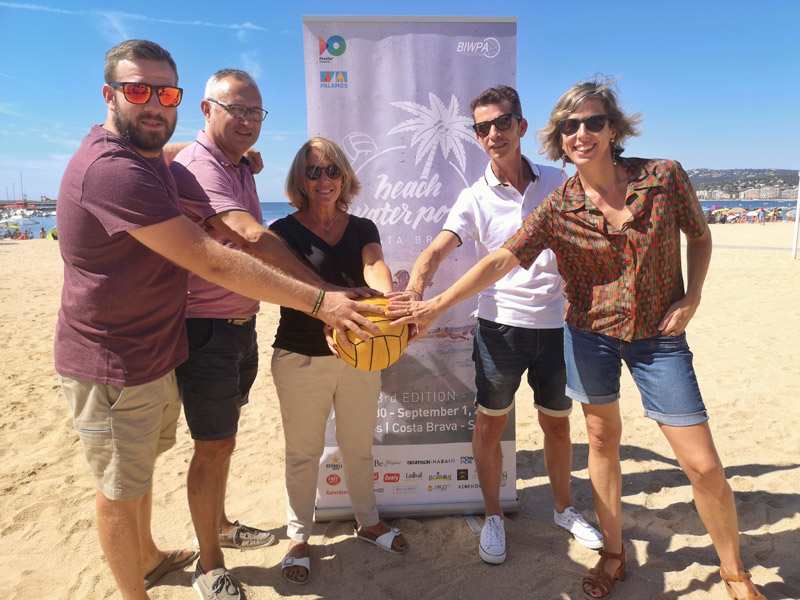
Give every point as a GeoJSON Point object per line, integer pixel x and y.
{"type": "Point", "coordinates": [394, 93]}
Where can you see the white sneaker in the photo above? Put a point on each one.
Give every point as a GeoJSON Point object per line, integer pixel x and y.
{"type": "Point", "coordinates": [584, 534]}
{"type": "Point", "coordinates": [493, 541]}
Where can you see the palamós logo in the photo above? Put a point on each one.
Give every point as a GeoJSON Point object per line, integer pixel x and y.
{"type": "Point", "coordinates": [488, 47]}
{"type": "Point", "coordinates": [333, 479]}
{"type": "Point", "coordinates": [334, 46]}
{"type": "Point", "coordinates": [333, 79]}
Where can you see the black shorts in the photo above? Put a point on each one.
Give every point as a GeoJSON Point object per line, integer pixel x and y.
{"type": "Point", "coordinates": [215, 381]}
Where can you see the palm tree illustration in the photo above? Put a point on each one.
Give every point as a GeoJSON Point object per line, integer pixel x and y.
{"type": "Point", "coordinates": [436, 127]}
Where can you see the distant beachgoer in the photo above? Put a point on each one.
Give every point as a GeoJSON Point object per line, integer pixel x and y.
{"type": "Point", "coordinates": [121, 328]}
{"type": "Point", "coordinates": [42, 234]}
{"type": "Point", "coordinates": [615, 228]}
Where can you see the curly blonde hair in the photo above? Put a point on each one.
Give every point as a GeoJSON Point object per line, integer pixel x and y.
{"type": "Point", "coordinates": [296, 184]}
{"type": "Point", "coordinates": [602, 88]}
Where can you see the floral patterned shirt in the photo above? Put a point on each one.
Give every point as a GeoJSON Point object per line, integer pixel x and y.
{"type": "Point", "coordinates": [617, 282]}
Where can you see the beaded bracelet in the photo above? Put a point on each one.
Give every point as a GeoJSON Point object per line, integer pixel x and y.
{"type": "Point", "coordinates": [319, 302]}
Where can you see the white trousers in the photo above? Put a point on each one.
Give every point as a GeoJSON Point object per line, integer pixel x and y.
{"type": "Point", "coordinates": [307, 388]}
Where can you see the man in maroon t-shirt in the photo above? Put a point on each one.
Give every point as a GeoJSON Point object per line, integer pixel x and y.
{"type": "Point", "coordinates": [120, 334]}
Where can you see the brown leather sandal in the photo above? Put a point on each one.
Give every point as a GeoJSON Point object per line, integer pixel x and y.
{"type": "Point", "coordinates": [598, 578]}
{"type": "Point", "coordinates": [752, 592]}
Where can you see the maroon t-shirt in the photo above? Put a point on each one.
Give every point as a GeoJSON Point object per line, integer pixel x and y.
{"type": "Point", "coordinates": [122, 305]}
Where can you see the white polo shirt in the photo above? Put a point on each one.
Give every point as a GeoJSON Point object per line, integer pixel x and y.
{"type": "Point", "coordinates": [489, 213]}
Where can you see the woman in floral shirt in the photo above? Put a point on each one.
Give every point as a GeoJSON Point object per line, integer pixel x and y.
{"type": "Point", "coordinates": [615, 228]}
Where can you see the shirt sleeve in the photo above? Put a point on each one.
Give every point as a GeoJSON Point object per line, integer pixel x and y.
{"type": "Point", "coordinates": [368, 232]}
{"type": "Point", "coordinates": [461, 218]}
{"type": "Point", "coordinates": [691, 218]}
{"type": "Point", "coordinates": [205, 188]}
{"type": "Point", "coordinates": [534, 235]}
{"type": "Point", "coordinates": [126, 191]}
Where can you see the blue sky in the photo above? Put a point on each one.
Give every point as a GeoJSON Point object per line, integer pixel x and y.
{"type": "Point", "coordinates": [717, 82]}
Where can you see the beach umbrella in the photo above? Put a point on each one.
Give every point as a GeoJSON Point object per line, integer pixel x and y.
{"type": "Point", "coordinates": [737, 209]}
{"type": "Point", "coordinates": [720, 210]}
{"type": "Point", "coordinates": [716, 207]}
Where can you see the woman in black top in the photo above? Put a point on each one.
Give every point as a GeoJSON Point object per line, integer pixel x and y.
{"type": "Point", "coordinates": [345, 250]}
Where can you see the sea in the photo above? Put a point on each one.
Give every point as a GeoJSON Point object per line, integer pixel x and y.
{"type": "Point", "coordinates": [269, 210]}
{"type": "Point", "coordinates": [278, 210]}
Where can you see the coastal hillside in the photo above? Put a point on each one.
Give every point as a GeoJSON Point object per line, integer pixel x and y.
{"type": "Point", "coordinates": [736, 180]}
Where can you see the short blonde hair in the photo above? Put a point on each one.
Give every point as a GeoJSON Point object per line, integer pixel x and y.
{"type": "Point", "coordinates": [296, 182]}
{"type": "Point", "coordinates": [602, 88]}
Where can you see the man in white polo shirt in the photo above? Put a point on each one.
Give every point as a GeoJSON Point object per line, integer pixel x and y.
{"type": "Point", "coordinates": [520, 318]}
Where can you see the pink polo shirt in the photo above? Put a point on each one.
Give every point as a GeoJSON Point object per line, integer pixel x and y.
{"type": "Point", "coordinates": [209, 184]}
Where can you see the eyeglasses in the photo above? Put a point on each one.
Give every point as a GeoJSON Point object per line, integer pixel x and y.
{"type": "Point", "coordinates": [238, 111]}
{"type": "Point", "coordinates": [501, 123]}
{"type": "Point", "coordinates": [594, 124]}
{"type": "Point", "coordinates": [314, 172]}
{"type": "Point", "coordinates": [139, 93]}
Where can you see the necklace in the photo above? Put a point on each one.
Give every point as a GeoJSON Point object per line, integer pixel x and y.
{"type": "Point", "coordinates": [328, 228]}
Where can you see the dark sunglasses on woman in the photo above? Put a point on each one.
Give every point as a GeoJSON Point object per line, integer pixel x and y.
{"type": "Point", "coordinates": [314, 172]}
{"type": "Point", "coordinates": [594, 124]}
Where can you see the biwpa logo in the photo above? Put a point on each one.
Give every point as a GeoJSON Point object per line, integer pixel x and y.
{"type": "Point", "coordinates": [391, 477]}
{"type": "Point", "coordinates": [488, 47]}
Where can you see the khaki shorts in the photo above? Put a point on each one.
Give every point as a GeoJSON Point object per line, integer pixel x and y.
{"type": "Point", "coordinates": [123, 429]}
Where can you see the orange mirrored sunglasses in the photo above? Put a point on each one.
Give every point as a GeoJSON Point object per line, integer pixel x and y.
{"type": "Point", "coordinates": [139, 93]}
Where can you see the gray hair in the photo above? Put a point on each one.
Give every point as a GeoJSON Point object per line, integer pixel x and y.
{"type": "Point", "coordinates": [219, 76]}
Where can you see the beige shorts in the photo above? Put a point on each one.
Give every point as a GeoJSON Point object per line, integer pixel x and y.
{"type": "Point", "coordinates": [123, 429]}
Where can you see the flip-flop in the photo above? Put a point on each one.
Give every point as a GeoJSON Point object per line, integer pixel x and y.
{"type": "Point", "coordinates": [382, 541]}
{"type": "Point", "coordinates": [166, 565]}
{"type": "Point", "coordinates": [293, 561]}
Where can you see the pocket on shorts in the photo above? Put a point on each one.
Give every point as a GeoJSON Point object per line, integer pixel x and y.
{"type": "Point", "coordinates": [199, 332]}
{"type": "Point", "coordinates": [492, 327]}
{"type": "Point", "coordinates": [668, 343]}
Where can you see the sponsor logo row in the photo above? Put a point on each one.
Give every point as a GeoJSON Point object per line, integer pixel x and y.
{"type": "Point", "coordinates": [335, 46]}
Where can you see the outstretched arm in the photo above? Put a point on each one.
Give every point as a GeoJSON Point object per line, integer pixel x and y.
{"type": "Point", "coordinates": [188, 246]}
{"type": "Point", "coordinates": [427, 264]}
{"type": "Point", "coordinates": [486, 272]}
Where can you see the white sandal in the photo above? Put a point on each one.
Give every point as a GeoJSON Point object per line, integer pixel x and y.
{"type": "Point", "coordinates": [382, 541]}
{"type": "Point", "coordinates": [293, 561]}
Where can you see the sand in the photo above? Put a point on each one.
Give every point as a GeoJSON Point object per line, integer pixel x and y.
{"type": "Point", "coordinates": [746, 340]}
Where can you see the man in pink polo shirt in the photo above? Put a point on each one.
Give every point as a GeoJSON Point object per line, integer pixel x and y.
{"type": "Point", "coordinates": [218, 193]}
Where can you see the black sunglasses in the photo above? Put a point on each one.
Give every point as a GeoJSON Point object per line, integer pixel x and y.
{"type": "Point", "coordinates": [332, 171]}
{"type": "Point", "coordinates": [501, 123]}
{"type": "Point", "coordinates": [594, 124]}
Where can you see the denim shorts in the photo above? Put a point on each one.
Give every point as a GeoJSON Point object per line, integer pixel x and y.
{"type": "Point", "coordinates": [502, 353]}
{"type": "Point", "coordinates": [215, 380]}
{"type": "Point", "coordinates": [661, 367]}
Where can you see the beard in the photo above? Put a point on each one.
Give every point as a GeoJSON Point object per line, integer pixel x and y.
{"type": "Point", "coordinates": [141, 138]}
